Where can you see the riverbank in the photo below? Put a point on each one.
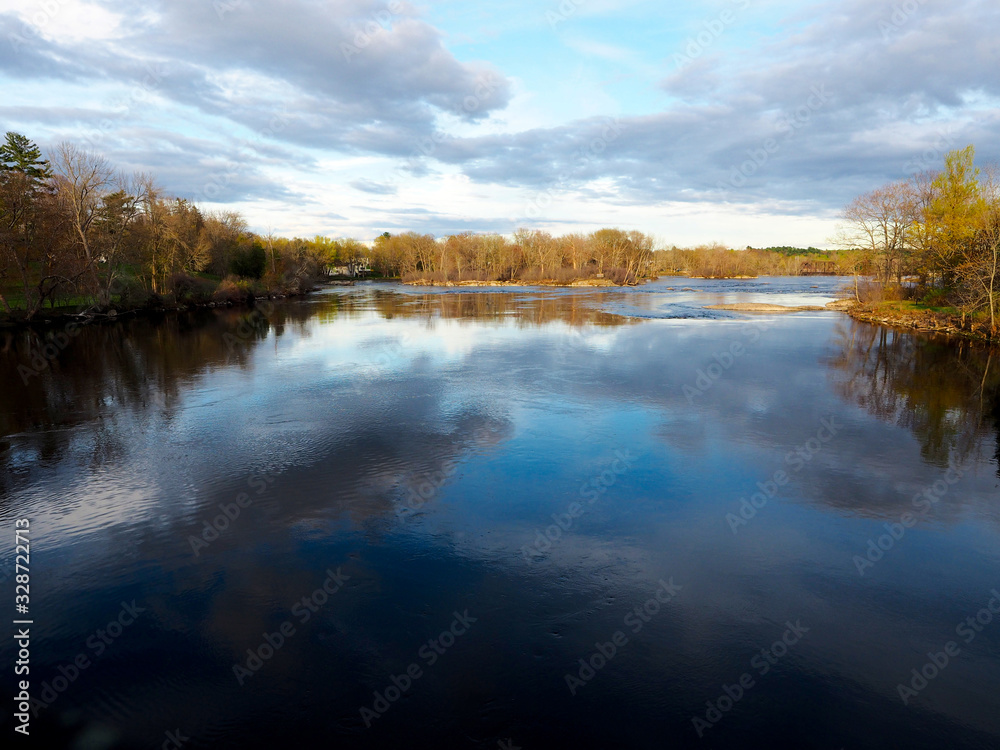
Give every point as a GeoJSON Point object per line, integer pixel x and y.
{"type": "Point", "coordinates": [910, 316]}
{"type": "Point", "coordinates": [58, 316]}
{"type": "Point", "coordinates": [903, 315]}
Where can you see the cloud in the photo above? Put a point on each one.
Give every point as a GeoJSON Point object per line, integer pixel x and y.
{"type": "Point", "coordinates": [375, 188]}
{"type": "Point", "coordinates": [351, 74]}
{"type": "Point", "coordinates": [795, 107]}
{"type": "Point", "coordinates": [847, 99]}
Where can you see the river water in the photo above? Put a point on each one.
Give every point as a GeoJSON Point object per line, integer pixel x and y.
{"type": "Point", "coordinates": [387, 516]}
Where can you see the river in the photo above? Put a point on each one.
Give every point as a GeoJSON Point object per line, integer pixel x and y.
{"type": "Point", "coordinates": [387, 516]}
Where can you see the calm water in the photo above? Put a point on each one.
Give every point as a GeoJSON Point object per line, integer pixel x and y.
{"type": "Point", "coordinates": [493, 486]}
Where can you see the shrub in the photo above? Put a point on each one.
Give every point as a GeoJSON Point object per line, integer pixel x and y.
{"type": "Point", "coordinates": [233, 290]}
{"type": "Point", "coordinates": [189, 289]}
{"type": "Point", "coordinates": [568, 274]}
{"type": "Point", "coordinates": [434, 276]}
{"type": "Point", "coordinates": [872, 292]}
{"type": "Point", "coordinates": [936, 298]}
{"type": "Point", "coordinates": [531, 274]}
{"type": "Point", "coordinates": [618, 276]}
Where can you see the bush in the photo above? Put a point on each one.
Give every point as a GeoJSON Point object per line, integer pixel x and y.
{"type": "Point", "coordinates": [936, 298]}
{"type": "Point", "coordinates": [189, 289]}
{"type": "Point", "coordinates": [534, 273]}
{"type": "Point", "coordinates": [618, 276]}
{"type": "Point", "coordinates": [567, 274]}
{"type": "Point", "coordinates": [560, 275]}
{"type": "Point", "coordinates": [236, 291]}
{"type": "Point", "coordinates": [296, 283]}
{"type": "Point", "coordinates": [434, 276]}
{"type": "Point", "coordinates": [871, 292]}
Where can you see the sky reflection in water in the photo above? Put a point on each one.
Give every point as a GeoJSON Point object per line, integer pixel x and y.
{"type": "Point", "coordinates": [421, 442]}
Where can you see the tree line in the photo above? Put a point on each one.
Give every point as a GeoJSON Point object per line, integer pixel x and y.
{"type": "Point", "coordinates": [933, 238]}
{"type": "Point", "coordinates": [622, 257]}
{"type": "Point", "coordinates": [529, 255]}
{"type": "Point", "coordinates": [74, 230]}
{"type": "Point", "coordinates": [77, 232]}
{"type": "Point", "coordinates": [719, 262]}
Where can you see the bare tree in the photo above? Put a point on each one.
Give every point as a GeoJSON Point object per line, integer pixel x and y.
{"type": "Point", "coordinates": [82, 180]}
{"type": "Point", "coordinates": [879, 223]}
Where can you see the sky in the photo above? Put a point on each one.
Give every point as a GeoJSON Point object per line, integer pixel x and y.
{"type": "Point", "coordinates": [745, 122]}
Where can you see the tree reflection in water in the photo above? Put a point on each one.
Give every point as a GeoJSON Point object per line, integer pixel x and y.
{"type": "Point", "coordinates": [946, 392]}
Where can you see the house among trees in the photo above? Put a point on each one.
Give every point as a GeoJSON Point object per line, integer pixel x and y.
{"type": "Point", "coordinates": [353, 268]}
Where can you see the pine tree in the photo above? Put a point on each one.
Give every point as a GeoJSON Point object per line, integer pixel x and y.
{"type": "Point", "coordinates": [18, 154]}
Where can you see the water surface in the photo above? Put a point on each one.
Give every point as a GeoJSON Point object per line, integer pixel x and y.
{"type": "Point", "coordinates": [518, 470]}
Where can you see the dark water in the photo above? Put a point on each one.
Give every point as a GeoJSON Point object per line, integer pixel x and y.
{"type": "Point", "coordinates": [490, 484]}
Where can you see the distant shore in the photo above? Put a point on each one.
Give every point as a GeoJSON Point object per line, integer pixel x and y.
{"type": "Point", "coordinates": [763, 307]}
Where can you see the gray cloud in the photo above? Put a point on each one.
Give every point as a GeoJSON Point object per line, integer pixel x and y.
{"type": "Point", "coordinates": [848, 97]}
{"type": "Point", "coordinates": [375, 188]}
{"type": "Point", "coordinates": [853, 99]}
{"type": "Point", "coordinates": [332, 64]}
{"type": "Point", "coordinates": [316, 74]}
